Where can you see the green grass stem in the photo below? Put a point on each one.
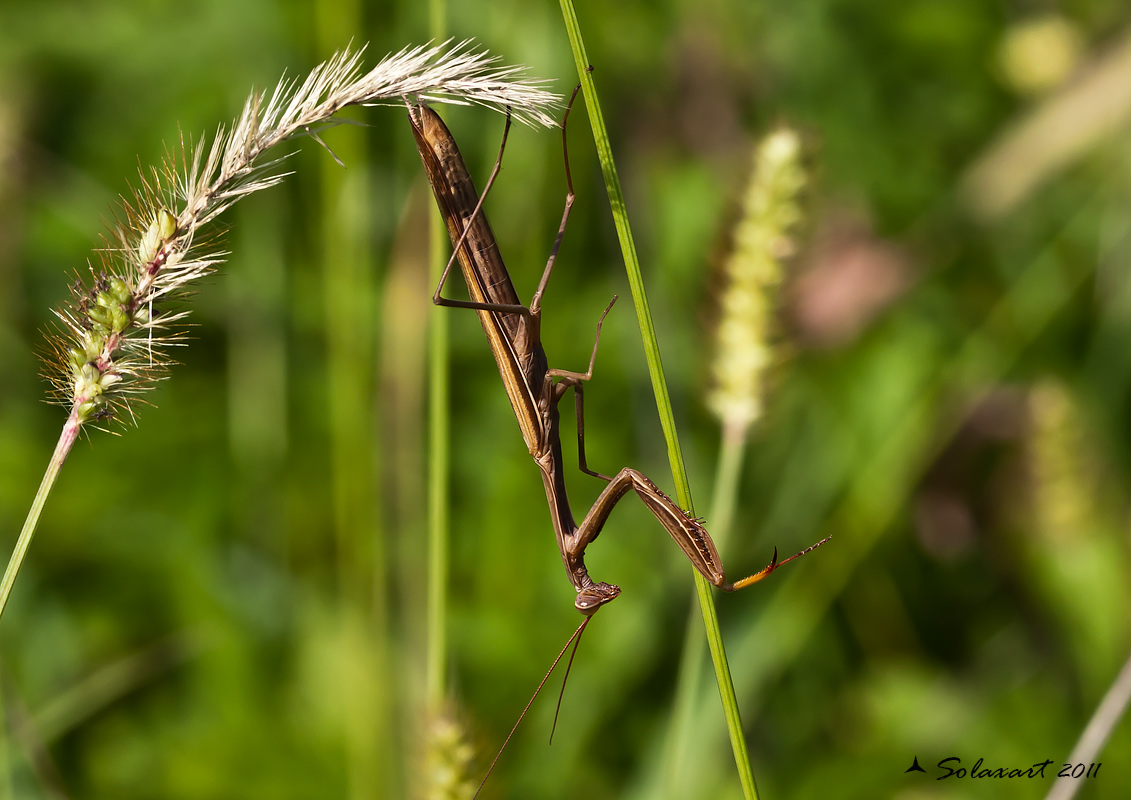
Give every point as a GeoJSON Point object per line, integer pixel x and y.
{"type": "Point", "coordinates": [439, 448]}
{"type": "Point", "coordinates": [659, 388]}
{"type": "Point", "coordinates": [439, 467]}
{"type": "Point", "coordinates": [62, 449]}
{"type": "Point", "coordinates": [673, 778]}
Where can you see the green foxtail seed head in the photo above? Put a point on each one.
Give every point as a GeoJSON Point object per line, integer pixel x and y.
{"type": "Point", "coordinates": [752, 275]}
{"type": "Point", "coordinates": [1064, 479]}
{"type": "Point", "coordinates": [117, 328]}
{"type": "Point", "coordinates": [95, 365]}
{"type": "Point", "coordinates": [448, 761]}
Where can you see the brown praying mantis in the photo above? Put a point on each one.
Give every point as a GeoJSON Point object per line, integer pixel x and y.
{"type": "Point", "coordinates": [514, 334]}
{"type": "Point", "coordinates": [534, 390]}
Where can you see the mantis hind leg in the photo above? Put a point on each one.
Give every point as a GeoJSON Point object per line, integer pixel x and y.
{"type": "Point", "coordinates": [687, 531]}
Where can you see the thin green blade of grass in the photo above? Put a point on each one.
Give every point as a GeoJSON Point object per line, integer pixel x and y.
{"type": "Point", "coordinates": [659, 388]}
{"type": "Point", "coordinates": [439, 448]}
{"type": "Point", "coordinates": [439, 467]}
{"type": "Point", "coordinates": [678, 762]}
{"type": "Point", "coordinates": [62, 449]}
{"type": "Point", "coordinates": [350, 289]}
{"type": "Point", "coordinates": [744, 350]}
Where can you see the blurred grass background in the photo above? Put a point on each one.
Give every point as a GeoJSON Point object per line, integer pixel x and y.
{"type": "Point", "coordinates": [228, 600]}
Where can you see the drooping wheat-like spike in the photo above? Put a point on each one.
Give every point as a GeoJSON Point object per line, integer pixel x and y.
{"type": "Point", "coordinates": [116, 329]}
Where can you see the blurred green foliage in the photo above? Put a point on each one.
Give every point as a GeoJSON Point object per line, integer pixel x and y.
{"type": "Point", "coordinates": [227, 601]}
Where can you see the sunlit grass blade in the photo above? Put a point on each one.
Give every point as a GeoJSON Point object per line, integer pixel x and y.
{"type": "Point", "coordinates": [744, 351]}
{"type": "Point", "coordinates": [660, 390]}
{"type": "Point", "coordinates": [439, 451]}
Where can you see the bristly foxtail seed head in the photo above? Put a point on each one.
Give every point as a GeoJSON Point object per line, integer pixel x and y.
{"type": "Point", "coordinates": [448, 760]}
{"type": "Point", "coordinates": [752, 276]}
{"type": "Point", "coordinates": [110, 348]}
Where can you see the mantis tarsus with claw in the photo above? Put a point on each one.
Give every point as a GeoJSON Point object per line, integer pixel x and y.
{"type": "Point", "coordinates": [534, 390]}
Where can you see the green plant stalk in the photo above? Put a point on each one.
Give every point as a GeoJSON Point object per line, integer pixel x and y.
{"type": "Point", "coordinates": [659, 388]}
{"type": "Point", "coordinates": [439, 450]}
{"type": "Point", "coordinates": [439, 461]}
{"type": "Point", "coordinates": [437, 19]}
{"type": "Point", "coordinates": [674, 775]}
{"type": "Point", "coordinates": [62, 449]}
{"type": "Point", "coordinates": [349, 296]}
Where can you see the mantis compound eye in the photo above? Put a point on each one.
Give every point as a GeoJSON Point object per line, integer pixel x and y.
{"type": "Point", "coordinates": [593, 597]}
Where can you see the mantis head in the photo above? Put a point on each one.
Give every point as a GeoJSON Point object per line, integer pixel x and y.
{"type": "Point", "coordinates": [593, 597]}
